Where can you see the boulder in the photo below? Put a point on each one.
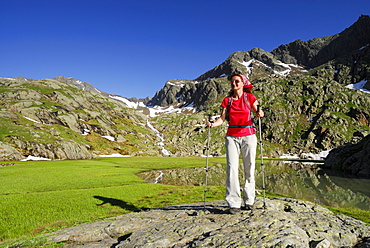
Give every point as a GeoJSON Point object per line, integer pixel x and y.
{"type": "Point", "coordinates": [9, 153]}
{"type": "Point", "coordinates": [351, 158]}
{"type": "Point", "coordinates": [281, 223]}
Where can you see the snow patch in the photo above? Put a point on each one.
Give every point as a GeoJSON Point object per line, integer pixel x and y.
{"type": "Point", "coordinates": [359, 85]}
{"type": "Point", "coordinates": [364, 47]}
{"type": "Point", "coordinates": [32, 158]}
{"type": "Point", "coordinates": [32, 120]}
{"type": "Point", "coordinates": [312, 118]}
{"type": "Point", "coordinates": [157, 110]}
{"type": "Point", "coordinates": [109, 138]}
{"type": "Point", "coordinates": [115, 155]}
{"type": "Point", "coordinates": [35, 121]}
{"type": "Point", "coordinates": [286, 72]}
{"type": "Point", "coordinates": [86, 132]}
{"type": "Point", "coordinates": [204, 156]}
{"type": "Point", "coordinates": [130, 104]}
{"type": "Point", "coordinates": [289, 156]}
{"type": "Point", "coordinates": [247, 65]}
{"type": "Point", "coordinates": [321, 156]}
{"type": "Point", "coordinates": [181, 83]}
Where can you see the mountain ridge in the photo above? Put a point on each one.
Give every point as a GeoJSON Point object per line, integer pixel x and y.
{"type": "Point", "coordinates": [327, 48]}
{"type": "Point", "coordinates": [306, 110]}
{"type": "Point", "coordinates": [291, 59]}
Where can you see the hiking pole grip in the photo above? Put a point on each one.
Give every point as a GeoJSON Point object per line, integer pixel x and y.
{"type": "Point", "coordinates": [210, 118]}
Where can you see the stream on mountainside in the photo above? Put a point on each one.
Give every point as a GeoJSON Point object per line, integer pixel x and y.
{"type": "Point", "coordinates": [298, 180]}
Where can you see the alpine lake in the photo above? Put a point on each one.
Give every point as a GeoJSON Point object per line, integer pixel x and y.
{"type": "Point", "coordinates": [295, 179]}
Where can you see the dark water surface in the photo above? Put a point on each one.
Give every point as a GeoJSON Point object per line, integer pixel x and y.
{"type": "Point", "coordinates": [310, 182]}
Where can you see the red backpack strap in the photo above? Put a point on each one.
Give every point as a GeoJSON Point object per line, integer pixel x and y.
{"type": "Point", "coordinates": [246, 99]}
{"type": "Point", "coordinates": [230, 101]}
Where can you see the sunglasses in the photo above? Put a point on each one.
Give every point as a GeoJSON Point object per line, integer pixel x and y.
{"type": "Point", "coordinates": [235, 81]}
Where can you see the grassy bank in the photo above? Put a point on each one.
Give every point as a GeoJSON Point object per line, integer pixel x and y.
{"type": "Point", "coordinates": [39, 197]}
{"type": "Point", "coordinates": [42, 196]}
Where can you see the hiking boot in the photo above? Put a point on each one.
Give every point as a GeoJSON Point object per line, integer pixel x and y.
{"type": "Point", "coordinates": [248, 207]}
{"type": "Point", "coordinates": [234, 210]}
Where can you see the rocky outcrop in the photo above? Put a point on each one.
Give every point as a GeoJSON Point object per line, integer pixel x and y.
{"type": "Point", "coordinates": [351, 158]}
{"type": "Point", "coordinates": [58, 150]}
{"type": "Point", "coordinates": [184, 93]}
{"type": "Point", "coordinates": [254, 63]}
{"type": "Point", "coordinates": [305, 111]}
{"type": "Point", "coordinates": [307, 54]}
{"type": "Point", "coordinates": [315, 52]}
{"type": "Point", "coordinates": [9, 153]}
{"type": "Point", "coordinates": [273, 223]}
{"type": "Point", "coordinates": [312, 113]}
{"type": "Point", "coordinates": [55, 120]}
{"type": "Point", "coordinates": [79, 84]}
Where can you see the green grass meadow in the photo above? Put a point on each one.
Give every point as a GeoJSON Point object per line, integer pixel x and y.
{"type": "Point", "coordinates": [38, 197]}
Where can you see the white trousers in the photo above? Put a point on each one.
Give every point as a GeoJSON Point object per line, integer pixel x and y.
{"type": "Point", "coordinates": [247, 145]}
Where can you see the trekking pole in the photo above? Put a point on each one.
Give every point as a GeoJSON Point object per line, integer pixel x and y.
{"type": "Point", "coordinates": [206, 168]}
{"type": "Point", "coordinates": [262, 166]}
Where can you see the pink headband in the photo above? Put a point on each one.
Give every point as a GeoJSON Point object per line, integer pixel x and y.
{"type": "Point", "coordinates": [246, 82]}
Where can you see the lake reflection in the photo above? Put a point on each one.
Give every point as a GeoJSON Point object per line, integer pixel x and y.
{"type": "Point", "coordinates": [310, 182]}
{"type": "Point", "coordinates": [292, 179]}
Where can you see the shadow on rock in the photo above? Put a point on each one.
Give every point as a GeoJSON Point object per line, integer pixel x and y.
{"type": "Point", "coordinates": [215, 207]}
{"type": "Point", "coordinates": [116, 202]}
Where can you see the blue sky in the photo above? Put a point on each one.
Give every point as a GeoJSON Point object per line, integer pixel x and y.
{"type": "Point", "coordinates": [131, 48]}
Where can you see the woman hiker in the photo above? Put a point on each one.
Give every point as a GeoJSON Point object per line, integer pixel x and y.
{"type": "Point", "coordinates": [240, 137]}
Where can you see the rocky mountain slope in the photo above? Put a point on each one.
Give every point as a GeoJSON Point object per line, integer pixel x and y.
{"type": "Point", "coordinates": [79, 84]}
{"type": "Point", "coordinates": [56, 120]}
{"type": "Point", "coordinates": [316, 52]}
{"type": "Point", "coordinates": [307, 89]}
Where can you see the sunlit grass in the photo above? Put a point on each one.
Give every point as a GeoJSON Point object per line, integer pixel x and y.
{"type": "Point", "coordinates": [360, 214]}
{"type": "Point", "coordinates": [42, 196]}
